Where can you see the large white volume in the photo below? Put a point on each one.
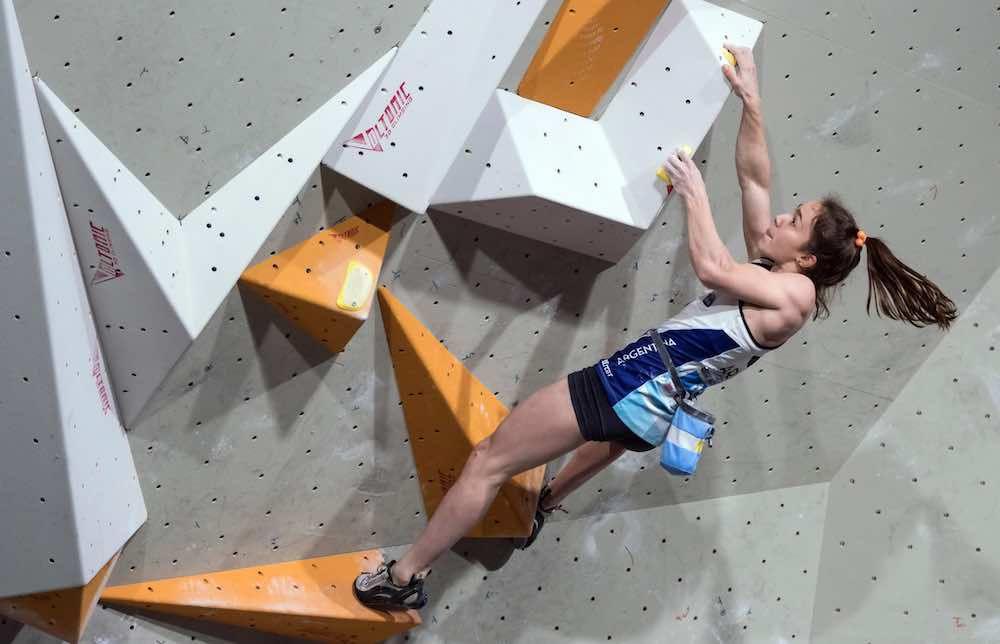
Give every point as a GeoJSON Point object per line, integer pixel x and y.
{"type": "Point", "coordinates": [155, 281]}
{"type": "Point", "coordinates": [404, 139]}
{"type": "Point", "coordinates": [70, 495]}
{"type": "Point", "coordinates": [590, 185]}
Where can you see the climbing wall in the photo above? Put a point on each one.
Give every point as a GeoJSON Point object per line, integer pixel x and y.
{"type": "Point", "coordinates": [261, 447]}
{"type": "Point", "coordinates": [529, 166]}
{"type": "Point", "coordinates": [910, 542]}
{"type": "Point", "coordinates": [71, 496]}
{"type": "Point", "coordinates": [157, 281]}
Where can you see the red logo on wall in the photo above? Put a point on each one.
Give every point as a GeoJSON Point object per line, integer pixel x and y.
{"type": "Point", "coordinates": [107, 263]}
{"type": "Point", "coordinates": [98, 375]}
{"type": "Point", "coordinates": [371, 138]}
{"type": "Point", "coordinates": [347, 234]}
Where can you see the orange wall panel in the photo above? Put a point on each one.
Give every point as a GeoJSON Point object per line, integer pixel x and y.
{"type": "Point", "coordinates": [310, 598]}
{"type": "Point", "coordinates": [448, 410]}
{"type": "Point", "coordinates": [60, 613]}
{"type": "Point", "coordinates": [326, 284]}
{"type": "Point", "coordinates": [584, 51]}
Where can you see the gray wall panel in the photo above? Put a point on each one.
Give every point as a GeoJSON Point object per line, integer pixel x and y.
{"type": "Point", "coordinates": [187, 94]}
{"type": "Point", "coordinates": [909, 552]}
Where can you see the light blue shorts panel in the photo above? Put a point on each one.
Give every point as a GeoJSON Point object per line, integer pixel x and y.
{"type": "Point", "coordinates": [648, 409]}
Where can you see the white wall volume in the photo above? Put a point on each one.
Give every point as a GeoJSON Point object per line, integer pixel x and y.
{"type": "Point", "coordinates": [583, 184]}
{"type": "Point", "coordinates": [402, 142]}
{"type": "Point", "coordinates": [590, 185]}
{"type": "Point", "coordinates": [156, 279]}
{"type": "Point", "coordinates": [71, 496]}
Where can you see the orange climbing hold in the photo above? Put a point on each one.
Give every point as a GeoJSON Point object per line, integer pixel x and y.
{"type": "Point", "coordinates": [326, 283]}
{"type": "Point", "coordinates": [60, 613]}
{"type": "Point", "coordinates": [448, 410]}
{"type": "Point", "coordinates": [311, 599]}
{"type": "Point", "coordinates": [585, 49]}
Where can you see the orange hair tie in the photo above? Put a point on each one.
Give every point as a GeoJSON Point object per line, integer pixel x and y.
{"type": "Point", "coordinates": [859, 241]}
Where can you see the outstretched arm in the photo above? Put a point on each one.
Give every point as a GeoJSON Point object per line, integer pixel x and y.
{"type": "Point", "coordinates": [713, 263]}
{"type": "Point", "coordinates": [753, 167]}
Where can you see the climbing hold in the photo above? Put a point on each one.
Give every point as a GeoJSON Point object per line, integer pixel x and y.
{"type": "Point", "coordinates": [661, 172]}
{"type": "Point", "coordinates": [728, 55]}
{"type": "Point", "coordinates": [326, 284]}
{"type": "Point", "coordinates": [309, 598]}
{"type": "Point", "coordinates": [357, 287]}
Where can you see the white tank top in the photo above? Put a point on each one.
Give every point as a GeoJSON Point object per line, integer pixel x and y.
{"type": "Point", "coordinates": [711, 340]}
{"type": "Point", "coordinates": [708, 340]}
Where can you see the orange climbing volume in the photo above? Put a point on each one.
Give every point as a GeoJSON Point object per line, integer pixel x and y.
{"type": "Point", "coordinates": [60, 613]}
{"type": "Point", "coordinates": [311, 599]}
{"type": "Point", "coordinates": [447, 411]}
{"type": "Point", "coordinates": [585, 49]}
{"type": "Point", "coordinates": [326, 284]}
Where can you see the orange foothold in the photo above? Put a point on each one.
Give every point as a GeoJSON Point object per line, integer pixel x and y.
{"type": "Point", "coordinates": [60, 613]}
{"type": "Point", "coordinates": [448, 411]}
{"type": "Point", "coordinates": [311, 599]}
{"type": "Point", "coordinates": [326, 284]}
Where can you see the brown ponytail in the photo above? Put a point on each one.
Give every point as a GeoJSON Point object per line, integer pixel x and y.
{"type": "Point", "coordinates": [899, 292]}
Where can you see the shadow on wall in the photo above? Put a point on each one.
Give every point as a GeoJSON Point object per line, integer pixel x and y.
{"type": "Point", "coordinates": [522, 275]}
{"type": "Point", "coordinates": [279, 351]}
{"type": "Point", "coordinates": [9, 630]}
{"type": "Point", "coordinates": [206, 631]}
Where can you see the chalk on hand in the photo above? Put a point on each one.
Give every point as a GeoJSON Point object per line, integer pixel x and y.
{"type": "Point", "coordinates": [661, 172]}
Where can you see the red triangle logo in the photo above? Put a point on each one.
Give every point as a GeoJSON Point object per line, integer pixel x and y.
{"type": "Point", "coordinates": [101, 275]}
{"type": "Point", "coordinates": [363, 141]}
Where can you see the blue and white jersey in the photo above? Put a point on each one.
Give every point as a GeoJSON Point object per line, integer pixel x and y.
{"type": "Point", "coordinates": [708, 341]}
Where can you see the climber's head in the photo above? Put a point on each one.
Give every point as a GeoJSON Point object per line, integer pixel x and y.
{"type": "Point", "coordinates": [822, 240]}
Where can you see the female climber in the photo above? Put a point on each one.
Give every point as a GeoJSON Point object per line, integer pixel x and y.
{"type": "Point", "coordinates": [798, 259]}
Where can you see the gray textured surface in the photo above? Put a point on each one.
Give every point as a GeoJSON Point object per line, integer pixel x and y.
{"type": "Point", "coordinates": [910, 548]}
{"type": "Point", "coordinates": [657, 575]}
{"type": "Point", "coordinates": [256, 415]}
{"type": "Point", "coordinates": [188, 93]}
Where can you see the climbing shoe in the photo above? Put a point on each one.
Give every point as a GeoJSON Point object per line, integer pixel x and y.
{"type": "Point", "coordinates": [378, 590]}
{"type": "Point", "coordinates": [539, 521]}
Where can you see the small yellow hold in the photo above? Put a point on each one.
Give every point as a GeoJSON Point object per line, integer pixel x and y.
{"type": "Point", "coordinates": [357, 287]}
{"type": "Point", "coordinates": [661, 172]}
{"type": "Point", "coordinates": [728, 55]}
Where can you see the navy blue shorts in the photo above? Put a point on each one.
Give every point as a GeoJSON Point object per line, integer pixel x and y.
{"type": "Point", "coordinates": [597, 420]}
